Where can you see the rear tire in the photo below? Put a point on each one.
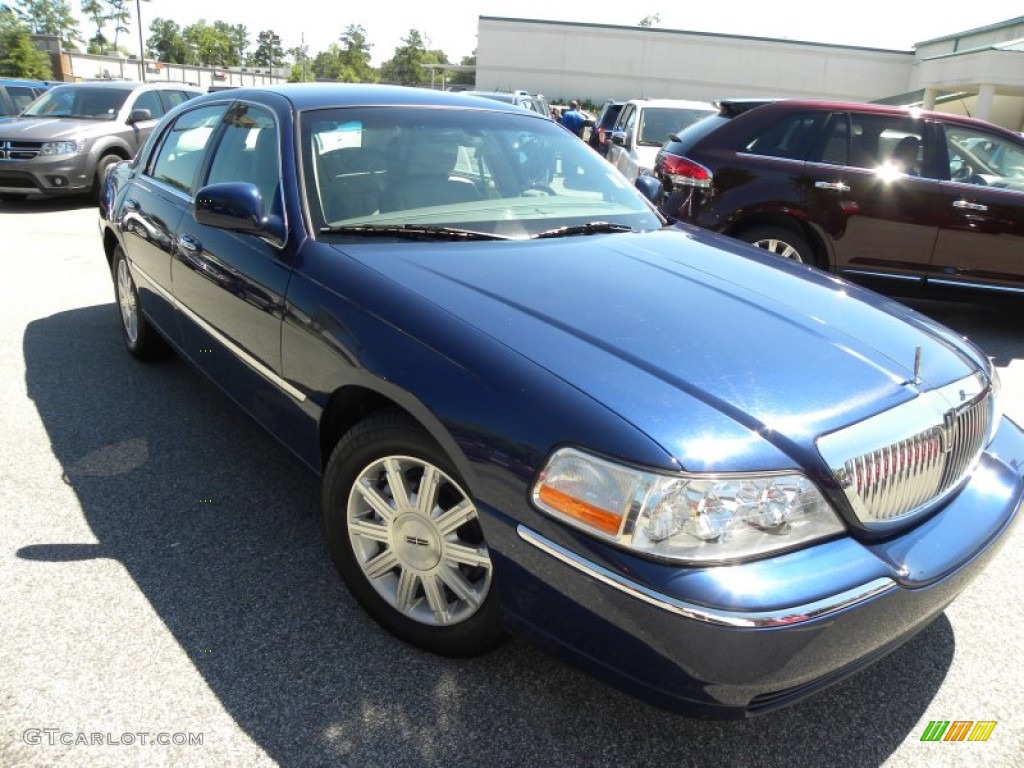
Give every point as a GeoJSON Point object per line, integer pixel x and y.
{"type": "Point", "coordinates": [141, 339]}
{"type": "Point", "coordinates": [783, 242]}
{"type": "Point", "coordinates": [406, 538]}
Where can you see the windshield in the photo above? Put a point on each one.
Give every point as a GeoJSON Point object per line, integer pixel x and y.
{"type": "Point", "coordinates": [498, 174]}
{"type": "Point", "coordinates": [658, 123]}
{"type": "Point", "coordinates": [73, 101]}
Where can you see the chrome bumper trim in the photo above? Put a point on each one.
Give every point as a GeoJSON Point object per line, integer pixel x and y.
{"type": "Point", "coordinates": [778, 618]}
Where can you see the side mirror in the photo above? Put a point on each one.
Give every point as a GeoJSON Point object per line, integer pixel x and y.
{"type": "Point", "coordinates": [618, 137]}
{"type": "Point", "coordinates": [139, 116]}
{"type": "Point", "coordinates": [651, 188]}
{"type": "Point", "coordinates": [237, 206]}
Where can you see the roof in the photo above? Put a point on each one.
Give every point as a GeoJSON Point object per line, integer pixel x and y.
{"type": "Point", "coordinates": [976, 31]}
{"type": "Point", "coordinates": [320, 95]}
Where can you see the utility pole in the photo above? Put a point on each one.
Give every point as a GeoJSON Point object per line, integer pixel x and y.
{"type": "Point", "coordinates": [142, 46]}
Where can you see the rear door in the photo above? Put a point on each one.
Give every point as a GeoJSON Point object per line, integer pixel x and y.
{"type": "Point", "coordinates": [872, 190]}
{"type": "Point", "coordinates": [981, 235]}
{"type": "Point", "coordinates": [156, 203]}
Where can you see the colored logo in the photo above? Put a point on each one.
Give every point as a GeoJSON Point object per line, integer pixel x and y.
{"type": "Point", "coordinates": [958, 730]}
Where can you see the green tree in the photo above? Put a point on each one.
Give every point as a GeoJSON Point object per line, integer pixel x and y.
{"type": "Point", "coordinates": [301, 72]}
{"type": "Point", "coordinates": [50, 17]}
{"type": "Point", "coordinates": [18, 57]}
{"type": "Point", "coordinates": [355, 56]}
{"type": "Point", "coordinates": [269, 52]}
{"type": "Point", "coordinates": [220, 45]}
{"type": "Point", "coordinates": [167, 43]}
{"type": "Point", "coordinates": [119, 13]}
{"type": "Point", "coordinates": [236, 37]}
{"type": "Point", "coordinates": [465, 78]}
{"type": "Point", "coordinates": [406, 66]}
{"type": "Point", "coordinates": [650, 20]}
{"type": "Point", "coordinates": [96, 13]}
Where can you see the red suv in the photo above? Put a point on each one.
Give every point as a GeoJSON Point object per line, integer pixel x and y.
{"type": "Point", "coordinates": [897, 198]}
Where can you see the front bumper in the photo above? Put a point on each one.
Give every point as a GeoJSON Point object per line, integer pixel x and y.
{"type": "Point", "coordinates": [744, 639]}
{"type": "Point", "coordinates": [57, 175]}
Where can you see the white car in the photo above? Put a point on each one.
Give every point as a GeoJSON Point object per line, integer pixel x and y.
{"type": "Point", "coordinates": [644, 126]}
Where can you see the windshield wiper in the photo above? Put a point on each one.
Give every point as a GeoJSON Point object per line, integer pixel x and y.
{"type": "Point", "coordinates": [413, 232]}
{"type": "Point", "coordinates": [590, 228]}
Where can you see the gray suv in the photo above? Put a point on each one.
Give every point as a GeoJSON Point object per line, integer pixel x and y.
{"type": "Point", "coordinates": [64, 141]}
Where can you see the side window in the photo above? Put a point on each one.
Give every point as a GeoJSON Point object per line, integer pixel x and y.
{"type": "Point", "coordinates": [172, 99]}
{"type": "Point", "coordinates": [791, 137]}
{"type": "Point", "coordinates": [834, 147]}
{"type": "Point", "coordinates": [977, 157]}
{"type": "Point", "coordinates": [150, 100]}
{"type": "Point", "coordinates": [247, 151]}
{"type": "Point", "coordinates": [627, 119]}
{"type": "Point", "coordinates": [21, 95]}
{"type": "Point", "coordinates": [183, 144]}
{"type": "Point", "coordinates": [889, 144]}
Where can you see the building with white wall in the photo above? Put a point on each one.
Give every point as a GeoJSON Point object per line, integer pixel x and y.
{"type": "Point", "coordinates": [982, 68]}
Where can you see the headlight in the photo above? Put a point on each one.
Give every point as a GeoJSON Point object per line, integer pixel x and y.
{"type": "Point", "coordinates": [62, 148]}
{"type": "Point", "coordinates": [700, 518]}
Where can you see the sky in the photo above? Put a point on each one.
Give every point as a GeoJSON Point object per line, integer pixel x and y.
{"type": "Point", "coordinates": [451, 25]}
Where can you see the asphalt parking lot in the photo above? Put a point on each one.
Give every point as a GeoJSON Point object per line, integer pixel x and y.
{"type": "Point", "coordinates": [163, 577]}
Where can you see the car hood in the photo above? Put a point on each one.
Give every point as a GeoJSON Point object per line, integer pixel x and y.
{"type": "Point", "coordinates": [673, 334]}
{"type": "Point", "coordinates": [53, 128]}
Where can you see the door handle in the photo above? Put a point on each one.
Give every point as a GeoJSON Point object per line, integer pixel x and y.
{"type": "Point", "coordinates": [189, 244]}
{"type": "Point", "coordinates": [966, 206]}
{"type": "Point", "coordinates": [838, 186]}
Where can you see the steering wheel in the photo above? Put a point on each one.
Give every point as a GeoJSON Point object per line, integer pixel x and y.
{"type": "Point", "coordinates": [539, 186]}
{"type": "Point", "coordinates": [962, 173]}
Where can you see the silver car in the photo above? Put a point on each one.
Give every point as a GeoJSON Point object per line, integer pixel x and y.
{"type": "Point", "coordinates": [65, 140]}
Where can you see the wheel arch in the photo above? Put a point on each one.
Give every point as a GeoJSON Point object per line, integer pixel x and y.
{"type": "Point", "coordinates": [804, 229]}
{"type": "Point", "coordinates": [351, 404]}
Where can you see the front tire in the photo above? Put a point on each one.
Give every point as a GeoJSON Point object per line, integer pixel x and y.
{"type": "Point", "coordinates": [406, 538]}
{"type": "Point", "coordinates": [140, 338]}
{"type": "Point", "coordinates": [786, 243]}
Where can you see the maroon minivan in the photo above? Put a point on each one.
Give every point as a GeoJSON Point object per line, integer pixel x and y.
{"type": "Point", "coordinates": [897, 198]}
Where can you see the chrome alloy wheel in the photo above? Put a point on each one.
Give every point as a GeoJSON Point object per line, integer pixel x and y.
{"type": "Point", "coordinates": [126, 299]}
{"type": "Point", "coordinates": [416, 536]}
{"type": "Point", "coordinates": [779, 248]}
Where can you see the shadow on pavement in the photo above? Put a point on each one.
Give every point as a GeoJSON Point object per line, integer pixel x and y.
{"type": "Point", "coordinates": [219, 527]}
{"type": "Point", "coordinates": [36, 204]}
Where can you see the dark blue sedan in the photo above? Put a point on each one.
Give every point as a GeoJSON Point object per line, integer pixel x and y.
{"type": "Point", "coordinates": [720, 479]}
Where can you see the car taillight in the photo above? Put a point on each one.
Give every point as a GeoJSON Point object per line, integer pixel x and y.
{"type": "Point", "coordinates": [685, 172]}
{"type": "Point", "coordinates": [600, 134]}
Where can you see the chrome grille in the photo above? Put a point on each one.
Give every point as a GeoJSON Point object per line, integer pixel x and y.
{"type": "Point", "coordinates": [895, 465]}
{"type": "Point", "coordinates": [19, 150]}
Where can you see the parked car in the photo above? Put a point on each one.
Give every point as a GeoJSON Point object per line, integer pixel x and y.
{"type": "Point", "coordinates": [898, 199]}
{"type": "Point", "coordinates": [64, 141]}
{"type": "Point", "coordinates": [720, 479]}
{"type": "Point", "coordinates": [15, 95]}
{"type": "Point", "coordinates": [644, 125]}
{"type": "Point", "coordinates": [523, 99]}
{"type": "Point", "coordinates": [603, 124]}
